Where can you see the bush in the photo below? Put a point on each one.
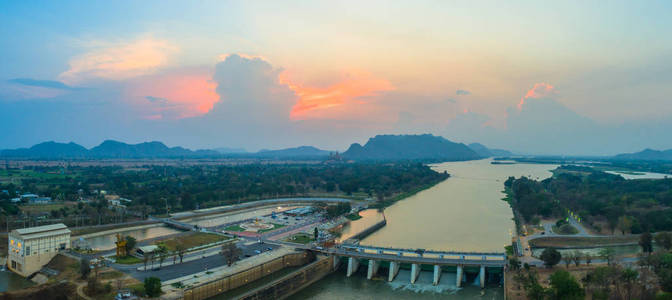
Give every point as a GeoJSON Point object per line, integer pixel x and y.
{"type": "Point", "coordinates": [153, 286]}
{"type": "Point", "coordinates": [551, 257]}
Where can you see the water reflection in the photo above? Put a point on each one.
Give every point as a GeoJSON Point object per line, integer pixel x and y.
{"type": "Point", "coordinates": [106, 242]}
{"type": "Point", "coordinates": [464, 212]}
{"type": "Point", "coordinates": [10, 281]}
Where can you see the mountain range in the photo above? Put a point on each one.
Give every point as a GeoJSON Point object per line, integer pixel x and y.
{"type": "Point", "coordinates": [107, 149]}
{"type": "Point", "coordinates": [484, 151]}
{"type": "Point", "coordinates": [646, 154]}
{"type": "Point", "coordinates": [410, 147]}
{"type": "Point", "coordinates": [380, 147]}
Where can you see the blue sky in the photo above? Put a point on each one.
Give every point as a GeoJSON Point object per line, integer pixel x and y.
{"type": "Point", "coordinates": [595, 76]}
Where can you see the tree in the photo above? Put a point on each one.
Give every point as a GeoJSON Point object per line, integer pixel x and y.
{"type": "Point", "coordinates": [514, 263]}
{"type": "Point", "coordinates": [153, 286]}
{"type": "Point", "coordinates": [84, 268]}
{"type": "Point", "coordinates": [577, 257]}
{"type": "Point", "coordinates": [316, 233]}
{"type": "Point", "coordinates": [624, 224]}
{"type": "Point", "coordinates": [551, 257]}
{"type": "Point", "coordinates": [130, 244]}
{"type": "Point", "coordinates": [180, 251]}
{"type": "Point", "coordinates": [231, 253]}
{"type": "Point", "coordinates": [567, 258]}
{"type": "Point", "coordinates": [664, 239]}
{"type": "Point", "coordinates": [564, 286]}
{"type": "Point", "coordinates": [645, 241]}
{"type": "Point", "coordinates": [628, 277]}
{"type": "Point", "coordinates": [607, 254]}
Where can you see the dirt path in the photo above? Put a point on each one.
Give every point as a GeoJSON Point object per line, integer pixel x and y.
{"type": "Point", "coordinates": [80, 291]}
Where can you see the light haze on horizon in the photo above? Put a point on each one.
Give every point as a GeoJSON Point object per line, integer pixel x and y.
{"type": "Point", "coordinates": [538, 77]}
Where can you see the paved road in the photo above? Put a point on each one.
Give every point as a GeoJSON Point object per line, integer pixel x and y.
{"type": "Point", "coordinates": [194, 266]}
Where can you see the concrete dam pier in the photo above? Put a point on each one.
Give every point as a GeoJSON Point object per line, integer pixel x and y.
{"type": "Point", "coordinates": [437, 261]}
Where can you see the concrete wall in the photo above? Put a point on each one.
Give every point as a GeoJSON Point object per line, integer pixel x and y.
{"type": "Point", "coordinates": [364, 233]}
{"type": "Point", "coordinates": [292, 283]}
{"type": "Point", "coordinates": [213, 288]}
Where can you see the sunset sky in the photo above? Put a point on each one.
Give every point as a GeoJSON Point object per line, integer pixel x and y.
{"type": "Point", "coordinates": [539, 77]}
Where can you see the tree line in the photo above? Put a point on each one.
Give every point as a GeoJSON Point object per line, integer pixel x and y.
{"type": "Point", "coordinates": [632, 206]}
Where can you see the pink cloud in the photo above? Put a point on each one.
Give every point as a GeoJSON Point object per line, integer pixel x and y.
{"type": "Point", "coordinates": [174, 94]}
{"type": "Point", "coordinates": [540, 90]}
{"type": "Point", "coordinates": [346, 97]}
{"type": "Point", "coordinates": [119, 61]}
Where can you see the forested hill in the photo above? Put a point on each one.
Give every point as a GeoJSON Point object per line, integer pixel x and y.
{"type": "Point", "coordinates": [606, 201]}
{"type": "Point", "coordinates": [107, 149]}
{"type": "Point", "coordinates": [410, 147]}
{"type": "Point", "coordinates": [647, 154]}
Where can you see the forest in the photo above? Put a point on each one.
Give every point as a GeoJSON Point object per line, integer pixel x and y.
{"type": "Point", "coordinates": [184, 188]}
{"type": "Point", "coordinates": [631, 206]}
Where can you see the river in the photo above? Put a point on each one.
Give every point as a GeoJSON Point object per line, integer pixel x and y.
{"type": "Point", "coordinates": [464, 212]}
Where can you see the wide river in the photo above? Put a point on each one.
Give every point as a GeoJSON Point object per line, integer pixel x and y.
{"type": "Point", "coordinates": [464, 212]}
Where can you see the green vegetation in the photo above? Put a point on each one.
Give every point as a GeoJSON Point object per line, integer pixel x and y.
{"type": "Point", "coordinates": [634, 206]}
{"type": "Point", "coordinates": [152, 286]}
{"type": "Point", "coordinates": [234, 228]}
{"type": "Point", "coordinates": [190, 240]}
{"type": "Point", "coordinates": [563, 286]}
{"type": "Point", "coordinates": [301, 238]}
{"type": "Point", "coordinates": [127, 260]}
{"type": "Point", "coordinates": [563, 227]}
{"type": "Point", "coordinates": [334, 211]}
{"type": "Point", "coordinates": [154, 188]}
{"type": "Point", "coordinates": [551, 257]}
{"type": "Point", "coordinates": [353, 216]}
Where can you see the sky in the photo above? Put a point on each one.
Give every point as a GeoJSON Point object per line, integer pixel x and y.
{"type": "Point", "coordinates": [534, 77]}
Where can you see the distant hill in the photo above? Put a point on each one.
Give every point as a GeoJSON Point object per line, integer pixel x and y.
{"type": "Point", "coordinates": [48, 150]}
{"type": "Point", "coordinates": [410, 147]}
{"type": "Point", "coordinates": [484, 151]}
{"type": "Point", "coordinates": [297, 152]}
{"type": "Point", "coordinates": [646, 154]}
{"type": "Point", "coordinates": [107, 149]}
{"type": "Point", "coordinates": [225, 150]}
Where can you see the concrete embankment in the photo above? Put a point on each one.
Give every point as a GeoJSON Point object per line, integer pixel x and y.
{"type": "Point", "coordinates": [252, 204]}
{"type": "Point", "coordinates": [294, 282]}
{"type": "Point", "coordinates": [238, 279]}
{"type": "Point", "coordinates": [116, 230]}
{"type": "Point", "coordinates": [371, 229]}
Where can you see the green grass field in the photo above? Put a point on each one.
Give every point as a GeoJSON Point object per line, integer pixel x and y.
{"type": "Point", "coordinates": [354, 216]}
{"type": "Point", "coordinates": [127, 260]}
{"type": "Point", "coordinates": [192, 240]}
{"type": "Point", "coordinates": [234, 228]}
{"type": "Point", "coordinates": [300, 238]}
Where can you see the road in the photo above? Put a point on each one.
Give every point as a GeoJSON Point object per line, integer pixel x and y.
{"type": "Point", "coordinates": [208, 261]}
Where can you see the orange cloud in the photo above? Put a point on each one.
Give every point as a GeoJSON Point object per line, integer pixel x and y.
{"type": "Point", "coordinates": [176, 94]}
{"type": "Point", "coordinates": [335, 100]}
{"type": "Point", "coordinates": [539, 90]}
{"type": "Point", "coordinates": [119, 61]}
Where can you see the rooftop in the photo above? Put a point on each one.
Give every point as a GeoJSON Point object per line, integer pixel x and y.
{"type": "Point", "coordinates": [40, 231]}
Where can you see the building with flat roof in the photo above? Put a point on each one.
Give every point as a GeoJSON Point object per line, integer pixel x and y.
{"type": "Point", "coordinates": [32, 248]}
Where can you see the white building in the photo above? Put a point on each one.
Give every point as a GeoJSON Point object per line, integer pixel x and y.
{"type": "Point", "coordinates": [32, 248]}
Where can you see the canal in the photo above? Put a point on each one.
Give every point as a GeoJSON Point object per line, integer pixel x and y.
{"type": "Point", "coordinates": [107, 241]}
{"type": "Point", "coordinates": [464, 212]}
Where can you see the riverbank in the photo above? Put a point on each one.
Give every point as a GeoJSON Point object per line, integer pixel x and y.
{"type": "Point", "coordinates": [388, 202]}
